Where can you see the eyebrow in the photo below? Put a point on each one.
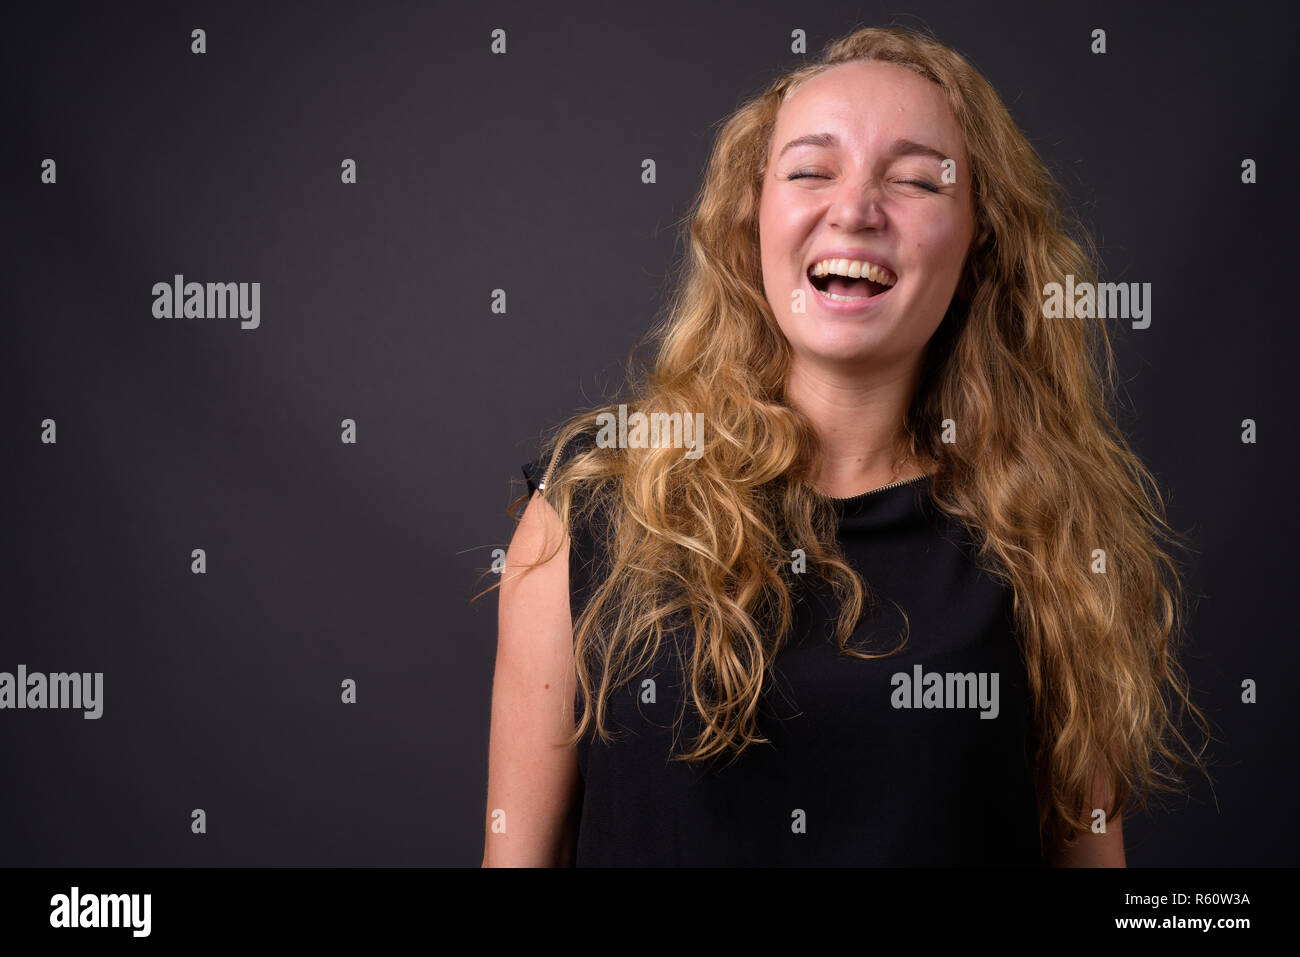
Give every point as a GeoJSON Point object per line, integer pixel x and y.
{"type": "Point", "coordinates": [901, 147]}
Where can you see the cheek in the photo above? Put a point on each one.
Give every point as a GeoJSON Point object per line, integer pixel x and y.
{"type": "Point", "coordinates": [939, 244]}
{"type": "Point", "coordinates": [767, 231]}
{"type": "Point", "coordinates": [772, 225]}
{"type": "Point", "coordinates": [777, 234]}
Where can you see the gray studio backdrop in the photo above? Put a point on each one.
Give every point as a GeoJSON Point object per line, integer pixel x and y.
{"type": "Point", "coordinates": [188, 445]}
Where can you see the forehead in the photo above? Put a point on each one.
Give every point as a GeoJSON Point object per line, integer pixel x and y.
{"type": "Point", "coordinates": [864, 100]}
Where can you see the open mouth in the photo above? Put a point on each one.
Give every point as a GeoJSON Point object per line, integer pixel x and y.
{"type": "Point", "coordinates": [846, 288]}
{"type": "Point", "coordinates": [834, 279]}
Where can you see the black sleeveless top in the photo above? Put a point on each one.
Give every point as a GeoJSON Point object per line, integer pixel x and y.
{"type": "Point", "coordinates": [894, 761]}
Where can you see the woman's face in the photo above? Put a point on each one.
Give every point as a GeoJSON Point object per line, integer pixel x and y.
{"type": "Point", "coordinates": [856, 172]}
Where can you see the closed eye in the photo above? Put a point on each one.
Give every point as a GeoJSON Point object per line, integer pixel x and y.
{"type": "Point", "coordinates": [803, 174]}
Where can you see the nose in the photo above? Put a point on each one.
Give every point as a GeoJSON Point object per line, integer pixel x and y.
{"type": "Point", "coordinates": [857, 206]}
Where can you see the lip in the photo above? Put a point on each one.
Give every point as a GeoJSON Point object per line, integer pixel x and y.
{"type": "Point", "coordinates": [845, 308]}
{"type": "Point", "coordinates": [848, 308]}
{"type": "Point", "coordinates": [843, 252]}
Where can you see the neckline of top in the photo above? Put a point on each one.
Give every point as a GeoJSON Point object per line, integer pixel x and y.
{"type": "Point", "coordinates": [875, 491]}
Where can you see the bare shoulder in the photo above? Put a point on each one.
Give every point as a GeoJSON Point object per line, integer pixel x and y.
{"type": "Point", "coordinates": [532, 772]}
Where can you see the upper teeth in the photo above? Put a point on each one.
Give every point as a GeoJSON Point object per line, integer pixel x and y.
{"type": "Point", "coordinates": [854, 269]}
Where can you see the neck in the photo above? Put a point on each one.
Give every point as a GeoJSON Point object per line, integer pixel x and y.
{"type": "Point", "coordinates": [859, 423]}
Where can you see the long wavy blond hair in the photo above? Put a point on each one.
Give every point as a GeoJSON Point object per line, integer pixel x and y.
{"type": "Point", "coordinates": [1041, 475]}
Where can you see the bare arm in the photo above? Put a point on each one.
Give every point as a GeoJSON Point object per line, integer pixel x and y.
{"type": "Point", "coordinates": [532, 779]}
{"type": "Point", "coordinates": [1096, 850]}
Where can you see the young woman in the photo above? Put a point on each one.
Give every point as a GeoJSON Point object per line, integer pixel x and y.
{"type": "Point", "coordinates": [906, 601]}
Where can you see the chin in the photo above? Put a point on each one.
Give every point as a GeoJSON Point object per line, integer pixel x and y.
{"type": "Point", "coordinates": [839, 348]}
{"type": "Point", "coordinates": [839, 332]}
